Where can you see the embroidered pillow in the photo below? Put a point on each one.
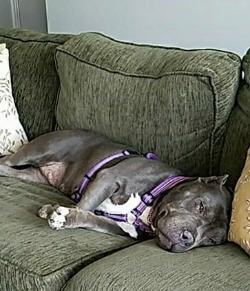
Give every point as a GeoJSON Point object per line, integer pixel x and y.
{"type": "Point", "coordinates": [12, 134]}
{"type": "Point", "coordinates": [239, 231]}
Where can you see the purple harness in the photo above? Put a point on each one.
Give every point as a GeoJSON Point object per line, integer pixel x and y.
{"type": "Point", "coordinates": [147, 198]}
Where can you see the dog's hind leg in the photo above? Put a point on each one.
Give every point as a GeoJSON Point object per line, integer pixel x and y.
{"type": "Point", "coordinates": [28, 174]}
{"type": "Point", "coordinates": [26, 155]}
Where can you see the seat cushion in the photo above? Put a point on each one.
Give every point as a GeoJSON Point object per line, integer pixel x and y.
{"type": "Point", "coordinates": [32, 255]}
{"type": "Point", "coordinates": [174, 102]}
{"type": "Point", "coordinates": [146, 267]}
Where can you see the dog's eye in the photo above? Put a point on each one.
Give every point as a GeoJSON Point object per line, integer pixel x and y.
{"type": "Point", "coordinates": [200, 208]}
{"type": "Point", "coordinates": [162, 214]}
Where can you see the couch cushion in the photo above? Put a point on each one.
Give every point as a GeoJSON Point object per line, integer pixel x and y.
{"type": "Point", "coordinates": [35, 257]}
{"type": "Point", "coordinates": [34, 78]}
{"type": "Point", "coordinates": [237, 139]}
{"type": "Point", "coordinates": [171, 101]}
{"type": "Point", "coordinates": [146, 267]}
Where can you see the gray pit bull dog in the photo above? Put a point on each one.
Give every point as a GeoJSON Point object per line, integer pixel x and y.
{"type": "Point", "coordinates": [119, 191]}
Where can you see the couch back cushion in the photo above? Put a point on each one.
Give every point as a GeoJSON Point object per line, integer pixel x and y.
{"type": "Point", "coordinates": [237, 139]}
{"type": "Point", "coordinates": [34, 78]}
{"type": "Point", "coordinates": [174, 102]}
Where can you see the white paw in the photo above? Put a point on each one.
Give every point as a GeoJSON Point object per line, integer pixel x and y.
{"type": "Point", "coordinates": [57, 218]}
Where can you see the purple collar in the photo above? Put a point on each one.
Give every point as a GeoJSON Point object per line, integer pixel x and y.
{"type": "Point", "coordinates": [113, 159]}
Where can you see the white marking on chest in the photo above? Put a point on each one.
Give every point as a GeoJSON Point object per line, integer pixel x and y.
{"type": "Point", "coordinates": [126, 208]}
{"type": "Point", "coordinates": [109, 207]}
{"type": "Point", "coordinates": [128, 228]}
{"type": "Point", "coordinates": [145, 215]}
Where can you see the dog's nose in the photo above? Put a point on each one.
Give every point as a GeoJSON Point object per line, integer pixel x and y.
{"type": "Point", "coordinates": [187, 238]}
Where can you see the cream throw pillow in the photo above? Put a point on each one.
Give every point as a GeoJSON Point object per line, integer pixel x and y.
{"type": "Point", "coordinates": [239, 231]}
{"type": "Point", "coordinates": [12, 134]}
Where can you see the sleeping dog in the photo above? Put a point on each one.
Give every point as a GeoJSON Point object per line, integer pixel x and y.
{"type": "Point", "coordinates": [119, 191]}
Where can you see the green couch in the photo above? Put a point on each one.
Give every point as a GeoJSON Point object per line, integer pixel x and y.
{"type": "Point", "coordinates": [191, 107]}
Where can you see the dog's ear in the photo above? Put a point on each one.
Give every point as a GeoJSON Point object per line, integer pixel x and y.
{"type": "Point", "coordinates": [221, 180]}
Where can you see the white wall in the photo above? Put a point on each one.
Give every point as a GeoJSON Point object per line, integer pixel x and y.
{"type": "Point", "coordinates": [222, 24]}
{"type": "Point", "coordinates": [33, 14]}
{"type": "Point", "coordinates": [5, 14]}
{"type": "Point", "coordinates": [28, 14]}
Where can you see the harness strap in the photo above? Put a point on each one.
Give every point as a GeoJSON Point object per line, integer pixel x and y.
{"type": "Point", "coordinates": [111, 160]}
{"type": "Point", "coordinates": [149, 197]}
{"type": "Point", "coordinates": [92, 172]}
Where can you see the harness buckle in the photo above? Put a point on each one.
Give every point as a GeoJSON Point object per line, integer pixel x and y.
{"type": "Point", "coordinates": [76, 197]}
{"type": "Point", "coordinates": [148, 198]}
{"type": "Point", "coordinates": [131, 218]}
{"type": "Point", "coordinates": [151, 156]}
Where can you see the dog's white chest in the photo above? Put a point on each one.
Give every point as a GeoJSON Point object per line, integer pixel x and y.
{"type": "Point", "coordinates": [134, 200]}
{"type": "Point", "coordinates": [109, 207]}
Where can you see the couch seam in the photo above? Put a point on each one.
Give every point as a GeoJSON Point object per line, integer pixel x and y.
{"type": "Point", "coordinates": [215, 113]}
{"type": "Point", "coordinates": [161, 47]}
{"type": "Point", "coordinates": [58, 92]}
{"type": "Point", "coordinates": [188, 73]}
{"type": "Point", "coordinates": [27, 41]}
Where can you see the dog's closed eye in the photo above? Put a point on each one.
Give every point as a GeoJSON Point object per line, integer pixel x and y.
{"type": "Point", "coordinates": [212, 241]}
{"type": "Point", "coordinates": [200, 208]}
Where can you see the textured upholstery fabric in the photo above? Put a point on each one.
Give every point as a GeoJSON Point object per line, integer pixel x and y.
{"type": "Point", "coordinates": [240, 218]}
{"type": "Point", "coordinates": [237, 139]}
{"type": "Point", "coordinates": [32, 255]}
{"type": "Point", "coordinates": [145, 267]}
{"type": "Point", "coordinates": [171, 101]}
{"type": "Point", "coordinates": [34, 78]}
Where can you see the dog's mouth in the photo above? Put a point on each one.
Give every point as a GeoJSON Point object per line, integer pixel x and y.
{"type": "Point", "coordinates": [163, 241]}
{"type": "Point", "coordinates": [181, 242]}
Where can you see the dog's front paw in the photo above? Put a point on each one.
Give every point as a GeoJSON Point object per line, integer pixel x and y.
{"type": "Point", "coordinates": [45, 211]}
{"type": "Point", "coordinates": [57, 219]}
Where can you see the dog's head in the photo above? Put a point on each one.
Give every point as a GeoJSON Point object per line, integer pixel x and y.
{"type": "Point", "coordinates": [193, 214]}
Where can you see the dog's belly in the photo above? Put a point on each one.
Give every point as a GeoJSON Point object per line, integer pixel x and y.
{"type": "Point", "coordinates": [54, 172]}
